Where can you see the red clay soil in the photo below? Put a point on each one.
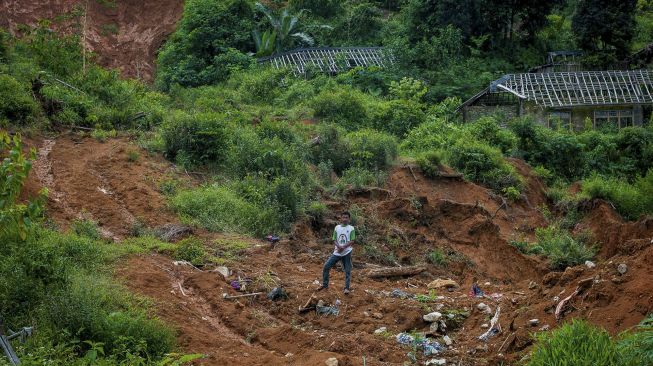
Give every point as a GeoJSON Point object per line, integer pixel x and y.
{"type": "Point", "coordinates": [411, 217]}
{"type": "Point", "coordinates": [125, 34]}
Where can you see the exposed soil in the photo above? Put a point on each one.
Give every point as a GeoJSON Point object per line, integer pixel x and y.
{"type": "Point", "coordinates": [125, 34]}
{"type": "Point", "coordinates": [410, 217]}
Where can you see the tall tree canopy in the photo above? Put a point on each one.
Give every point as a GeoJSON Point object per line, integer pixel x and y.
{"type": "Point", "coordinates": [605, 25]}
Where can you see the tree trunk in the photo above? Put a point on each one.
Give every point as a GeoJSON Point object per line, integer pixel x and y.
{"type": "Point", "coordinates": [395, 271]}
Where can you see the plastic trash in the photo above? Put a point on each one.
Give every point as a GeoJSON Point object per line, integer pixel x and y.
{"type": "Point", "coordinates": [277, 293]}
{"type": "Point", "coordinates": [476, 291]}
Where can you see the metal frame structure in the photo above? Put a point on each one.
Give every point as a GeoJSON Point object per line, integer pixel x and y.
{"type": "Point", "coordinates": [330, 60]}
{"type": "Point", "coordinates": [575, 89]}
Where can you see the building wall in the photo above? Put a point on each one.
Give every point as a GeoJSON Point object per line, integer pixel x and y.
{"type": "Point", "coordinates": [579, 114]}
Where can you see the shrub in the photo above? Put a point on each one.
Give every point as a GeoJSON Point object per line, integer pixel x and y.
{"type": "Point", "coordinates": [344, 106]}
{"type": "Point", "coordinates": [435, 134]}
{"type": "Point", "coordinates": [483, 164]}
{"type": "Point", "coordinates": [221, 209]}
{"type": "Point", "coordinates": [86, 228]}
{"type": "Point", "coordinates": [371, 149]}
{"type": "Point", "coordinates": [191, 250]}
{"type": "Point", "coordinates": [358, 177]}
{"type": "Point", "coordinates": [636, 346]}
{"type": "Point", "coordinates": [437, 257]}
{"type": "Point", "coordinates": [16, 103]}
{"type": "Point", "coordinates": [561, 248]}
{"type": "Point", "coordinates": [316, 211]}
{"type": "Point", "coordinates": [487, 129]}
{"type": "Point", "coordinates": [575, 343]}
{"type": "Point", "coordinates": [430, 163]}
{"type": "Point", "coordinates": [199, 138]}
{"type": "Point", "coordinates": [332, 149]}
{"type": "Point", "coordinates": [397, 117]}
{"type": "Point", "coordinates": [511, 193]}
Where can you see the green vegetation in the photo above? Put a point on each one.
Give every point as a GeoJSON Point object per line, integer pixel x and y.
{"type": "Point", "coordinates": [561, 347]}
{"type": "Point", "coordinates": [62, 282]}
{"type": "Point", "coordinates": [631, 200]}
{"type": "Point", "coordinates": [559, 246]}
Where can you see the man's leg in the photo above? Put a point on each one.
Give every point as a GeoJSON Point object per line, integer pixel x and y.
{"type": "Point", "coordinates": [333, 259]}
{"type": "Point", "coordinates": [346, 262]}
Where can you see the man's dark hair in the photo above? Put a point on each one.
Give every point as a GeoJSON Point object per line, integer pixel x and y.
{"type": "Point", "coordinates": [346, 213]}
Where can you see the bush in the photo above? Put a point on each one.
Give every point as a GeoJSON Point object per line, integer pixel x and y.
{"type": "Point", "coordinates": [86, 228]}
{"type": "Point", "coordinates": [332, 149]}
{"type": "Point", "coordinates": [483, 164]}
{"type": "Point", "coordinates": [561, 248]}
{"type": "Point", "coordinates": [344, 106]}
{"type": "Point", "coordinates": [575, 343]}
{"type": "Point", "coordinates": [371, 149]}
{"type": "Point", "coordinates": [191, 250]}
{"type": "Point", "coordinates": [435, 134]}
{"type": "Point", "coordinates": [487, 129]}
{"type": "Point", "coordinates": [197, 138]}
{"type": "Point", "coordinates": [437, 257]}
{"type": "Point", "coordinates": [358, 177]}
{"type": "Point", "coordinates": [636, 346]}
{"type": "Point", "coordinates": [430, 163]}
{"type": "Point", "coordinates": [16, 103]}
{"type": "Point", "coordinates": [223, 210]}
{"type": "Point", "coordinates": [397, 117]}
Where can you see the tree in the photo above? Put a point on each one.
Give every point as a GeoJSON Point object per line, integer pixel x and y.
{"type": "Point", "coordinates": [605, 25]}
{"type": "Point", "coordinates": [283, 35]}
{"type": "Point", "coordinates": [210, 32]}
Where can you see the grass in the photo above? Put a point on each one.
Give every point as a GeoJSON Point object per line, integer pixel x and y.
{"type": "Point", "coordinates": [437, 257]}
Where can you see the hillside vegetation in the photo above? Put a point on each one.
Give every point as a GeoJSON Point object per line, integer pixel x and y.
{"type": "Point", "coordinates": [273, 146]}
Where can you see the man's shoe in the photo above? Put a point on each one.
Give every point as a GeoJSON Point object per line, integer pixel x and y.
{"type": "Point", "coordinates": [321, 288]}
{"type": "Point", "coordinates": [346, 291]}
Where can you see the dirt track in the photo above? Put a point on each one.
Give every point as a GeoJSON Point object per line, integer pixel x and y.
{"type": "Point", "coordinates": [96, 180]}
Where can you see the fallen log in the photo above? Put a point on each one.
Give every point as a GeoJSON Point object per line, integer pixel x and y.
{"type": "Point", "coordinates": [395, 271]}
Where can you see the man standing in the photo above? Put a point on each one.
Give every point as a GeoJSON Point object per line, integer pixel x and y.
{"type": "Point", "coordinates": [343, 239]}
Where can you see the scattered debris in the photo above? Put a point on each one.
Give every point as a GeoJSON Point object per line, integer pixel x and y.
{"type": "Point", "coordinates": [495, 326]}
{"type": "Point", "coordinates": [228, 297]}
{"type": "Point", "coordinates": [309, 305]}
{"type": "Point", "coordinates": [235, 284]}
{"type": "Point", "coordinates": [476, 291]}
{"type": "Point", "coordinates": [185, 263]}
{"type": "Point", "coordinates": [436, 361]}
{"type": "Point", "coordinates": [484, 308]}
{"type": "Point", "coordinates": [400, 294]}
{"type": "Point", "coordinates": [273, 239]}
{"type": "Point", "coordinates": [172, 232]}
{"type": "Point", "coordinates": [439, 283]}
{"type": "Point", "coordinates": [380, 330]}
{"type": "Point", "coordinates": [532, 285]}
{"type": "Point", "coordinates": [544, 328]}
{"type": "Point", "coordinates": [622, 268]}
{"type": "Point", "coordinates": [582, 285]}
{"type": "Point", "coordinates": [331, 362]}
{"type": "Point", "coordinates": [534, 322]}
{"type": "Point", "coordinates": [377, 315]}
{"type": "Point", "coordinates": [590, 264]}
{"type": "Point", "coordinates": [485, 325]}
{"type": "Point", "coordinates": [447, 340]}
{"type": "Point", "coordinates": [432, 317]}
{"type": "Point", "coordinates": [277, 293]}
{"type": "Point", "coordinates": [395, 271]}
{"type": "Point", "coordinates": [322, 309]}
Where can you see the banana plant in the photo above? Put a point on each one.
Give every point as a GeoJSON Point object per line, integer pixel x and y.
{"type": "Point", "coordinates": [284, 32]}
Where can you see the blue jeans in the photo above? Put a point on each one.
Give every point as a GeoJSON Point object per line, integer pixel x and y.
{"type": "Point", "coordinates": [333, 259]}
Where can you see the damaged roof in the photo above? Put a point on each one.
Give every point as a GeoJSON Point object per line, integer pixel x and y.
{"type": "Point", "coordinates": [329, 59]}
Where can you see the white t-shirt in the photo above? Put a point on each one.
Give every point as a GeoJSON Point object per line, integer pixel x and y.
{"type": "Point", "coordinates": [343, 235]}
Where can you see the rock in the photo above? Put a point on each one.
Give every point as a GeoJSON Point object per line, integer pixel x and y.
{"type": "Point", "coordinates": [616, 280]}
{"type": "Point", "coordinates": [484, 308]}
{"type": "Point", "coordinates": [532, 285]}
{"type": "Point", "coordinates": [433, 329]}
{"type": "Point", "coordinates": [316, 283]}
{"type": "Point", "coordinates": [622, 268]}
{"type": "Point", "coordinates": [485, 326]}
{"type": "Point", "coordinates": [436, 361]}
{"type": "Point", "coordinates": [590, 264]}
{"type": "Point", "coordinates": [439, 283]}
{"type": "Point", "coordinates": [544, 328]}
{"type": "Point", "coordinates": [381, 330]}
{"type": "Point", "coordinates": [551, 278]}
{"type": "Point", "coordinates": [447, 340]}
{"type": "Point", "coordinates": [432, 317]}
{"type": "Point", "coordinates": [172, 232]}
{"type": "Point", "coordinates": [481, 348]}
{"type": "Point", "coordinates": [224, 271]}
{"type": "Point", "coordinates": [366, 314]}
{"type": "Point", "coordinates": [487, 284]}
{"type": "Point", "coordinates": [289, 354]}
{"type": "Point", "coordinates": [534, 322]}
{"type": "Point", "coordinates": [331, 362]}
{"type": "Point", "coordinates": [377, 315]}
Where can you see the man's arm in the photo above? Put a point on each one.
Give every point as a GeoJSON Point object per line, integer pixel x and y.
{"type": "Point", "coordinates": [352, 240]}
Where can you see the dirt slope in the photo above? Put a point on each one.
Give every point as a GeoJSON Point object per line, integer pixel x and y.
{"type": "Point", "coordinates": [125, 34]}
{"type": "Point", "coordinates": [411, 216]}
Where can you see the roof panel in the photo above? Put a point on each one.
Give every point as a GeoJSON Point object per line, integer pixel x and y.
{"type": "Point", "coordinates": [328, 57]}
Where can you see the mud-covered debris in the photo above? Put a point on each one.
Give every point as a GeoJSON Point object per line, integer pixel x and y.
{"type": "Point", "coordinates": [331, 362]}
{"type": "Point", "coordinates": [532, 285]}
{"type": "Point", "coordinates": [590, 264]}
{"type": "Point", "coordinates": [277, 293]}
{"type": "Point", "coordinates": [447, 340]}
{"type": "Point", "coordinates": [476, 291]}
{"type": "Point", "coordinates": [380, 330]}
{"type": "Point", "coordinates": [534, 322]}
{"type": "Point", "coordinates": [377, 315]}
{"type": "Point", "coordinates": [432, 317]}
{"type": "Point", "coordinates": [172, 232]}
{"type": "Point", "coordinates": [440, 283]}
{"type": "Point", "coordinates": [495, 326]}
{"type": "Point", "coordinates": [224, 271]}
{"type": "Point", "coordinates": [544, 328]}
{"type": "Point", "coordinates": [622, 268]}
{"type": "Point", "coordinates": [484, 308]}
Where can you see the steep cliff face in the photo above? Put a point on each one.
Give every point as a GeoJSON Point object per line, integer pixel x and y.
{"type": "Point", "coordinates": [125, 34]}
